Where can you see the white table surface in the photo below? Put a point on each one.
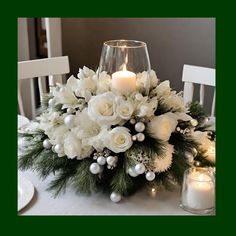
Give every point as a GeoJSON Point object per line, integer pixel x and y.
{"type": "Point", "coordinates": [70, 203]}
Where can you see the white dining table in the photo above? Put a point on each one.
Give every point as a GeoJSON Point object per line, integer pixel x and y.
{"type": "Point", "coordinates": [141, 203]}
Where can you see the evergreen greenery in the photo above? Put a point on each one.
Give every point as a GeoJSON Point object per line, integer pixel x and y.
{"type": "Point", "coordinates": [76, 172]}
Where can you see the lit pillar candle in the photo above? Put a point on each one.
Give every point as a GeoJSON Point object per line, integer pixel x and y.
{"type": "Point", "coordinates": [200, 193]}
{"type": "Point", "coordinates": [124, 81]}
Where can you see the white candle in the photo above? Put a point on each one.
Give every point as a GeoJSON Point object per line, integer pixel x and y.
{"type": "Point", "coordinates": [200, 191]}
{"type": "Point", "coordinates": [124, 81]}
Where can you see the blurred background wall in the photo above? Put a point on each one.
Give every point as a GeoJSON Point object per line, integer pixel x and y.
{"type": "Point", "coordinates": [172, 42]}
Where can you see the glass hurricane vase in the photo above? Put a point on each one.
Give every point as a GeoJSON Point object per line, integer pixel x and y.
{"type": "Point", "coordinates": [123, 61]}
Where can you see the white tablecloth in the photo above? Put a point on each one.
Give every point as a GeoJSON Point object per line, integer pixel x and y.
{"type": "Point", "coordinates": [141, 203]}
{"type": "Point", "coordinates": [165, 203]}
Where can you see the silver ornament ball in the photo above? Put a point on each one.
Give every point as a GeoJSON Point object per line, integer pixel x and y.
{"type": "Point", "coordinates": [139, 127]}
{"type": "Point", "coordinates": [134, 138]}
{"type": "Point", "coordinates": [47, 144]}
{"type": "Point", "coordinates": [69, 121]}
{"type": "Point", "coordinates": [58, 148]}
{"type": "Point", "coordinates": [132, 172]}
{"type": "Point", "coordinates": [140, 137]}
{"type": "Point", "coordinates": [115, 197]}
{"type": "Point", "coordinates": [95, 168]}
{"type": "Point", "coordinates": [194, 122]}
{"type": "Point", "coordinates": [139, 168]}
{"type": "Point", "coordinates": [150, 176]}
{"type": "Point", "coordinates": [101, 160]}
{"type": "Point", "coordinates": [111, 160]}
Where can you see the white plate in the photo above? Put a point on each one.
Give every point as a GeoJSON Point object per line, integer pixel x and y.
{"type": "Point", "coordinates": [25, 192]}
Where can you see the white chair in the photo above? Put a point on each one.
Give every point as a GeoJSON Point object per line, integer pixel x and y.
{"type": "Point", "coordinates": [52, 67]}
{"type": "Point", "coordinates": [198, 75]}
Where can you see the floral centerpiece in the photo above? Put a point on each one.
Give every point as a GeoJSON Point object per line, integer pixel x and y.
{"type": "Point", "coordinates": [102, 136]}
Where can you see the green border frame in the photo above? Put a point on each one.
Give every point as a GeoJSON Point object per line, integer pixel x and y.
{"type": "Point", "coordinates": [225, 64]}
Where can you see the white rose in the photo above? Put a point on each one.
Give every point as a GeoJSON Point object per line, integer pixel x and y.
{"type": "Point", "coordinates": [161, 127]}
{"type": "Point", "coordinates": [102, 109]}
{"type": "Point", "coordinates": [72, 146]}
{"type": "Point", "coordinates": [119, 139]}
{"type": "Point", "coordinates": [125, 109]}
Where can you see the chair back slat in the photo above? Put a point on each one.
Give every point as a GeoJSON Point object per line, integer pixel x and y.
{"type": "Point", "coordinates": [189, 90]}
{"type": "Point", "coordinates": [20, 102]}
{"type": "Point", "coordinates": [202, 93]}
{"type": "Point", "coordinates": [42, 86]}
{"type": "Point", "coordinates": [213, 105]}
{"type": "Point", "coordinates": [198, 75]}
{"type": "Point", "coordinates": [43, 67]}
{"type": "Point", "coordinates": [53, 67]}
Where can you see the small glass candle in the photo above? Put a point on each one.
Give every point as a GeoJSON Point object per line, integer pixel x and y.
{"type": "Point", "coordinates": [198, 191]}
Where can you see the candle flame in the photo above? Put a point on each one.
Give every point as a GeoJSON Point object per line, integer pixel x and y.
{"type": "Point", "coordinates": [126, 62]}
{"type": "Point", "coordinates": [153, 190]}
{"type": "Point", "coordinates": [201, 177]}
{"type": "Point", "coordinates": [124, 67]}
